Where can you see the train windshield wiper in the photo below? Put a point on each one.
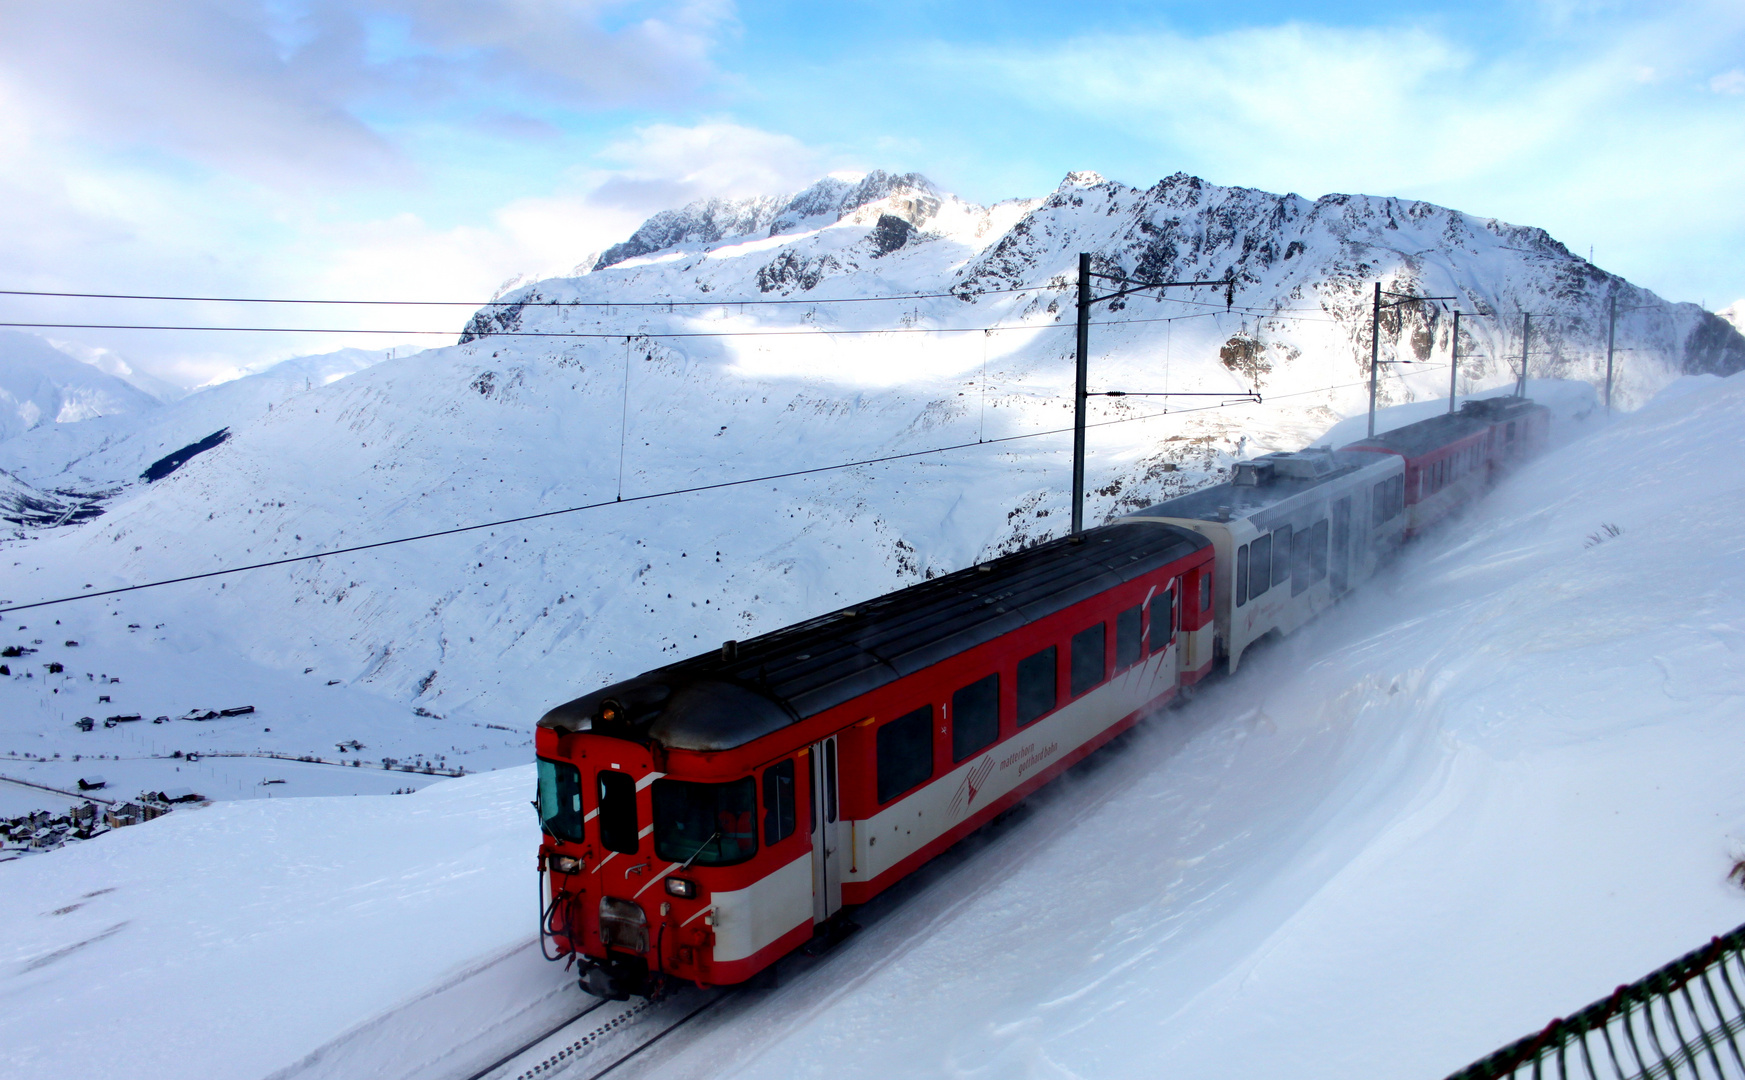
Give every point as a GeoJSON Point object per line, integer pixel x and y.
{"type": "Point", "coordinates": [716, 835]}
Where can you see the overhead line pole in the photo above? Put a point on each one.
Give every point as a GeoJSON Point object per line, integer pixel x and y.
{"type": "Point", "coordinates": [1526, 329]}
{"type": "Point", "coordinates": [1375, 340]}
{"type": "Point", "coordinates": [1083, 362]}
{"type": "Point", "coordinates": [1611, 339]}
{"type": "Point", "coordinates": [1454, 362]}
{"type": "Point", "coordinates": [1081, 392]}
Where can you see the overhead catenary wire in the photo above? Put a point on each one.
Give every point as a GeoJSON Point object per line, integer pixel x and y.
{"type": "Point", "coordinates": [499, 302]}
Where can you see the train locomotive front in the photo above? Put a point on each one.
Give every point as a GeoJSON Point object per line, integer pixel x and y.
{"type": "Point", "coordinates": [704, 819]}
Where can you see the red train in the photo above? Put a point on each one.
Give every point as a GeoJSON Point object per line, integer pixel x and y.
{"type": "Point", "coordinates": [706, 818]}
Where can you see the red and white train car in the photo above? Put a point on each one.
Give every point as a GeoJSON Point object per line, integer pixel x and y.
{"type": "Point", "coordinates": [706, 818]}
{"type": "Point", "coordinates": [1452, 459]}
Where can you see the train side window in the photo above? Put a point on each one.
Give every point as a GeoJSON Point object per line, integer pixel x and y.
{"type": "Point", "coordinates": [778, 802]}
{"type": "Point", "coordinates": [1205, 591]}
{"type": "Point", "coordinates": [812, 794]}
{"type": "Point", "coordinates": [905, 752]}
{"type": "Point", "coordinates": [1162, 619]}
{"type": "Point", "coordinates": [1242, 575]}
{"type": "Point", "coordinates": [1281, 560]}
{"type": "Point", "coordinates": [1129, 641]}
{"type": "Point", "coordinates": [1088, 658]}
{"type": "Point", "coordinates": [1036, 685]}
{"type": "Point", "coordinates": [1510, 437]}
{"type": "Point", "coordinates": [1260, 566]}
{"type": "Point", "coordinates": [1318, 549]}
{"type": "Point", "coordinates": [618, 828]}
{"type": "Point", "coordinates": [1302, 570]}
{"type": "Point", "coordinates": [1378, 504]}
{"type": "Point", "coordinates": [975, 717]}
{"type": "Point", "coordinates": [1396, 496]}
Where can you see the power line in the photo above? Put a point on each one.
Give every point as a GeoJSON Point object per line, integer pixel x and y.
{"type": "Point", "coordinates": [519, 303]}
{"type": "Point", "coordinates": [600, 334]}
{"type": "Point", "coordinates": [594, 334]}
{"type": "Point", "coordinates": [597, 505]}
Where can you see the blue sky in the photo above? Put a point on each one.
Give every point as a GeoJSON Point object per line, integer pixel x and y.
{"type": "Point", "coordinates": [437, 149]}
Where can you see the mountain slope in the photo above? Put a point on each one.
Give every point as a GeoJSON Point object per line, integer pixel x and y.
{"type": "Point", "coordinates": [40, 385]}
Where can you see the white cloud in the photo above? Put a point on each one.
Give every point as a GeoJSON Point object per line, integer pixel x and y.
{"type": "Point", "coordinates": [96, 224]}
{"type": "Point", "coordinates": [1729, 82]}
{"type": "Point", "coordinates": [296, 92]}
{"type": "Point", "coordinates": [666, 165]}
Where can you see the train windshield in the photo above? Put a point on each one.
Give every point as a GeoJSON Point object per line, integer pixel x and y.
{"type": "Point", "coordinates": [560, 800]}
{"type": "Point", "coordinates": [705, 824]}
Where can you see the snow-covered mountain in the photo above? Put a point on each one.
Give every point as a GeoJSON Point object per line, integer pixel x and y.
{"type": "Point", "coordinates": [40, 385]}
{"type": "Point", "coordinates": [1734, 313]}
{"type": "Point", "coordinates": [115, 450]}
{"type": "Point", "coordinates": [910, 323]}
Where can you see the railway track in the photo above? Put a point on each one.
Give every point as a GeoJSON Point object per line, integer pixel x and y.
{"type": "Point", "coordinates": [601, 1037]}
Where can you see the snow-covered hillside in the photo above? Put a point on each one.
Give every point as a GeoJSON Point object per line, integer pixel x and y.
{"type": "Point", "coordinates": [116, 449]}
{"type": "Point", "coordinates": [42, 386]}
{"type": "Point", "coordinates": [1479, 795]}
{"type": "Point", "coordinates": [565, 395]}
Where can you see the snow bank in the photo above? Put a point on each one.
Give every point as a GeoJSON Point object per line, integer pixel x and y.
{"type": "Point", "coordinates": [233, 940]}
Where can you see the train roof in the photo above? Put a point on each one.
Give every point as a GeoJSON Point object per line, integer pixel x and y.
{"type": "Point", "coordinates": [1259, 484]}
{"type": "Point", "coordinates": [731, 696]}
{"type": "Point", "coordinates": [1425, 436]}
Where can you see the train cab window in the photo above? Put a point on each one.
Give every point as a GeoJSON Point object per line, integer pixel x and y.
{"type": "Point", "coordinates": [905, 752]}
{"type": "Point", "coordinates": [1129, 641]}
{"type": "Point", "coordinates": [1260, 566]}
{"type": "Point", "coordinates": [1318, 550]}
{"type": "Point", "coordinates": [1036, 685]}
{"type": "Point", "coordinates": [560, 800]}
{"type": "Point", "coordinates": [1162, 619]}
{"type": "Point", "coordinates": [975, 717]}
{"type": "Point", "coordinates": [618, 828]}
{"type": "Point", "coordinates": [705, 824]}
{"type": "Point", "coordinates": [1088, 658]}
{"type": "Point", "coordinates": [1281, 562]}
{"type": "Point", "coordinates": [1378, 505]}
{"type": "Point", "coordinates": [778, 802]}
{"type": "Point", "coordinates": [1242, 575]}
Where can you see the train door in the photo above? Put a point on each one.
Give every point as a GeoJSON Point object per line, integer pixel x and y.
{"type": "Point", "coordinates": [826, 846]}
{"type": "Point", "coordinates": [1341, 544]}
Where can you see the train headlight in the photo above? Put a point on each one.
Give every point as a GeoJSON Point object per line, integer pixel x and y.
{"type": "Point", "coordinates": [682, 888]}
{"type": "Point", "coordinates": [563, 864]}
{"type": "Point", "coordinates": [623, 925]}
